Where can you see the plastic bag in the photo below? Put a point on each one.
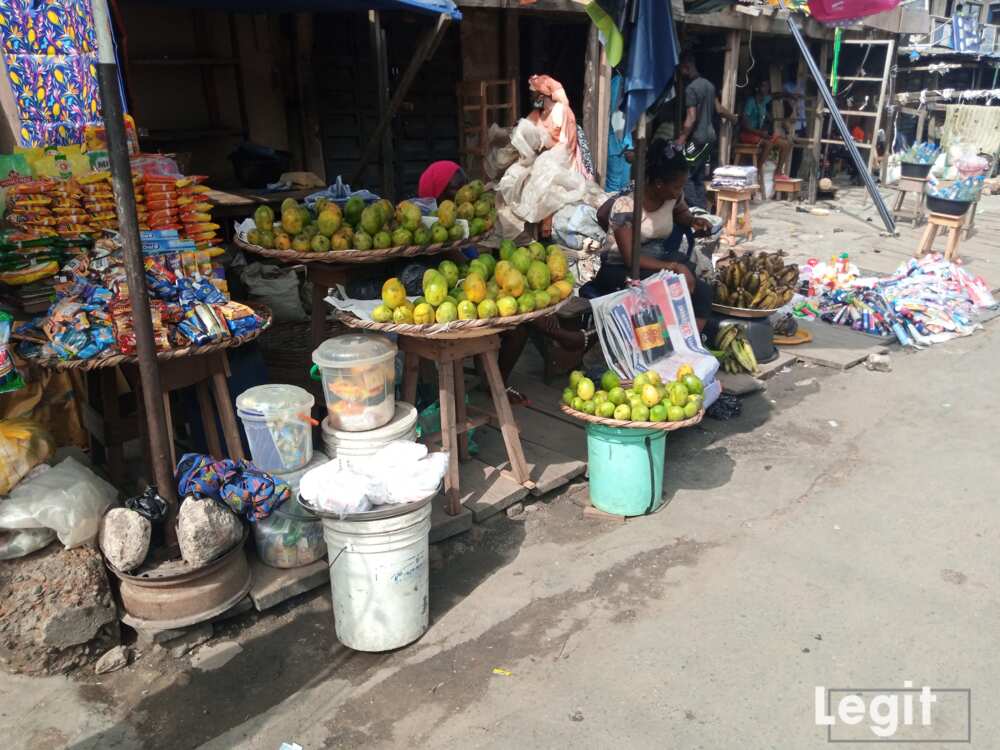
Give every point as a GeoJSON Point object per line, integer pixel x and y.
{"type": "Point", "coordinates": [153, 508]}
{"type": "Point", "coordinates": [429, 422]}
{"type": "Point", "coordinates": [10, 378]}
{"type": "Point", "coordinates": [20, 543]}
{"type": "Point", "coordinates": [68, 498]}
{"type": "Point", "coordinates": [23, 445]}
{"type": "Point", "coordinates": [278, 288]}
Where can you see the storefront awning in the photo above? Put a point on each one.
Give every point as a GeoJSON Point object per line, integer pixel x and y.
{"type": "Point", "coordinates": [435, 7]}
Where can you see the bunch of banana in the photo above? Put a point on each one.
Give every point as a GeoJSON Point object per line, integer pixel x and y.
{"type": "Point", "coordinates": [737, 356]}
{"type": "Point", "coordinates": [760, 281]}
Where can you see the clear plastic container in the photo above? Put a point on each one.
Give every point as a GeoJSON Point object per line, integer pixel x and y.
{"type": "Point", "coordinates": [359, 380]}
{"type": "Point", "coordinates": [294, 478]}
{"type": "Point", "coordinates": [290, 537]}
{"type": "Point", "coordinates": [278, 425]}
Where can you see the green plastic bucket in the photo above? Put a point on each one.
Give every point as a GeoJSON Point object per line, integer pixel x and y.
{"type": "Point", "coordinates": [626, 469]}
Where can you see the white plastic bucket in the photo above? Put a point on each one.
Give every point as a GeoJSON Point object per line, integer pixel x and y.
{"type": "Point", "coordinates": [354, 445]}
{"type": "Point", "coordinates": [379, 577]}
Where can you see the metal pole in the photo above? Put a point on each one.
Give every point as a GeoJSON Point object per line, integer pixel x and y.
{"type": "Point", "coordinates": [639, 176]}
{"type": "Point", "coordinates": [838, 120]}
{"type": "Point", "coordinates": [128, 227]}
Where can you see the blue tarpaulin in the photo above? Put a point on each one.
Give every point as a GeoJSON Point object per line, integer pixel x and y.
{"type": "Point", "coordinates": [651, 58]}
{"type": "Point", "coordinates": [322, 6]}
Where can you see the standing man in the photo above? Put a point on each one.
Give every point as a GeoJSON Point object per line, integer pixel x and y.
{"type": "Point", "coordinates": [698, 136]}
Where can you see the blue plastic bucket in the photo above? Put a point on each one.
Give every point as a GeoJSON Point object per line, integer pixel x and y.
{"type": "Point", "coordinates": [626, 469]}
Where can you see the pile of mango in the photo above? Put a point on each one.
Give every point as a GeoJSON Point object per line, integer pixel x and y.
{"type": "Point", "coordinates": [524, 280]}
{"type": "Point", "coordinates": [326, 226]}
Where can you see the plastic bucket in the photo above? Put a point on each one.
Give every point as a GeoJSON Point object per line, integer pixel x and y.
{"type": "Point", "coordinates": [379, 576]}
{"type": "Point", "coordinates": [278, 426]}
{"type": "Point", "coordinates": [626, 469]}
{"type": "Point", "coordinates": [912, 169]}
{"type": "Point", "coordinates": [352, 445]}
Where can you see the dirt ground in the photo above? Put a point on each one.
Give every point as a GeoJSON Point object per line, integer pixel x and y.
{"type": "Point", "coordinates": [841, 532]}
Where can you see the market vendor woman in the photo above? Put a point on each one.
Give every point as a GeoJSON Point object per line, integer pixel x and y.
{"type": "Point", "coordinates": [441, 180]}
{"type": "Point", "coordinates": [667, 223]}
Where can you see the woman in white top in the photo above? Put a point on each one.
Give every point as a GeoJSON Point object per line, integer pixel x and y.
{"type": "Point", "coordinates": [666, 223]}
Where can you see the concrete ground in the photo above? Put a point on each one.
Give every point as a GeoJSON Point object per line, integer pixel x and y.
{"type": "Point", "coordinates": [843, 532]}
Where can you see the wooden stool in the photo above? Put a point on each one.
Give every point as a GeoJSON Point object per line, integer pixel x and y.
{"type": "Point", "coordinates": [790, 186]}
{"type": "Point", "coordinates": [209, 374]}
{"type": "Point", "coordinates": [736, 225]}
{"type": "Point", "coordinates": [710, 193]}
{"type": "Point", "coordinates": [952, 223]}
{"type": "Point", "coordinates": [905, 186]}
{"type": "Point", "coordinates": [448, 355]}
{"type": "Point", "coordinates": [108, 429]}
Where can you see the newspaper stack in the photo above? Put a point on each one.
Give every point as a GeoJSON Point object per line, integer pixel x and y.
{"type": "Point", "coordinates": [734, 178]}
{"type": "Point", "coordinates": [615, 328]}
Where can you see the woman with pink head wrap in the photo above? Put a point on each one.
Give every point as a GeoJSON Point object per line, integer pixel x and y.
{"type": "Point", "coordinates": [552, 111]}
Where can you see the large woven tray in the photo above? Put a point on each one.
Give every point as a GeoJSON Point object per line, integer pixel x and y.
{"type": "Point", "coordinates": [113, 360]}
{"type": "Point", "coordinates": [457, 329]}
{"type": "Point", "coordinates": [358, 256]}
{"type": "Point", "coordinates": [665, 426]}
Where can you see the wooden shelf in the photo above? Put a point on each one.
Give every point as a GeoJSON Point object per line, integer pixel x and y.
{"type": "Point", "coordinates": [192, 61]}
{"type": "Point", "coordinates": [190, 134]}
{"type": "Point", "coordinates": [841, 143]}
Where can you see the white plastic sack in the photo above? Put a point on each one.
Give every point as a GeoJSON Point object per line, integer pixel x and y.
{"type": "Point", "coordinates": [68, 498]}
{"type": "Point", "coordinates": [769, 169]}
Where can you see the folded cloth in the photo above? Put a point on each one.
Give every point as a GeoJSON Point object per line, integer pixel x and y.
{"type": "Point", "coordinates": [248, 491]}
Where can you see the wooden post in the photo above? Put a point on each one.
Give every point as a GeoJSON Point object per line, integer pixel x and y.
{"type": "Point", "coordinates": [312, 142]}
{"type": "Point", "coordinates": [591, 75]}
{"type": "Point", "coordinates": [639, 176]}
{"type": "Point", "coordinates": [382, 132]}
{"type": "Point", "coordinates": [727, 96]}
{"type": "Point", "coordinates": [382, 137]}
{"type": "Point", "coordinates": [600, 149]}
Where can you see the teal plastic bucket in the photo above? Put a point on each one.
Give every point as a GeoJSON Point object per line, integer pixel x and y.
{"type": "Point", "coordinates": [626, 469]}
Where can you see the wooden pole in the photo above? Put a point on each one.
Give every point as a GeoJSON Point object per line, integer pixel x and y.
{"type": "Point", "coordinates": [727, 96]}
{"type": "Point", "coordinates": [128, 228]}
{"type": "Point", "coordinates": [817, 130]}
{"type": "Point", "coordinates": [639, 175]}
{"type": "Point", "coordinates": [424, 50]}
{"type": "Point", "coordinates": [591, 111]}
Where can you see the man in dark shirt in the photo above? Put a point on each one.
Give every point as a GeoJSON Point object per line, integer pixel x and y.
{"type": "Point", "coordinates": [698, 136]}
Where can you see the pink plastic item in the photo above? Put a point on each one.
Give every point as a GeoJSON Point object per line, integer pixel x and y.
{"type": "Point", "coordinates": [829, 11]}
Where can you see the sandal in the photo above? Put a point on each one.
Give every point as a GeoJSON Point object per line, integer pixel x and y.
{"type": "Point", "coordinates": [516, 398]}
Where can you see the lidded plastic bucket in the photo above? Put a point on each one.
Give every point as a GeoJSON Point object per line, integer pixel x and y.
{"type": "Point", "coordinates": [358, 371]}
{"type": "Point", "coordinates": [351, 445]}
{"type": "Point", "coordinates": [278, 425]}
{"type": "Point", "coordinates": [379, 575]}
{"type": "Point", "coordinates": [626, 469]}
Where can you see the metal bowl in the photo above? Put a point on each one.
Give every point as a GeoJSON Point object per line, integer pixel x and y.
{"type": "Point", "coordinates": [743, 312]}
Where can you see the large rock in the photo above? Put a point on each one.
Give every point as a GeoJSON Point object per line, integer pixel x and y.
{"type": "Point", "coordinates": [205, 530]}
{"type": "Point", "coordinates": [124, 538]}
{"type": "Point", "coordinates": [56, 610]}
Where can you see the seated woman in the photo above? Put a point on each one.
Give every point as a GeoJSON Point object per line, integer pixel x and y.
{"type": "Point", "coordinates": [666, 223]}
{"type": "Point", "coordinates": [441, 180]}
{"type": "Point", "coordinates": [757, 129]}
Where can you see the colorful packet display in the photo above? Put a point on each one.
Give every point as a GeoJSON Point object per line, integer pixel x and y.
{"type": "Point", "coordinates": [10, 378]}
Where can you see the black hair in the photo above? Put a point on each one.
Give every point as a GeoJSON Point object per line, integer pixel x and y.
{"type": "Point", "coordinates": [664, 161]}
{"type": "Point", "coordinates": [687, 58]}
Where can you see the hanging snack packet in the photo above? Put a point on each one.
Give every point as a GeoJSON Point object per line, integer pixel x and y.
{"type": "Point", "coordinates": [10, 378]}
